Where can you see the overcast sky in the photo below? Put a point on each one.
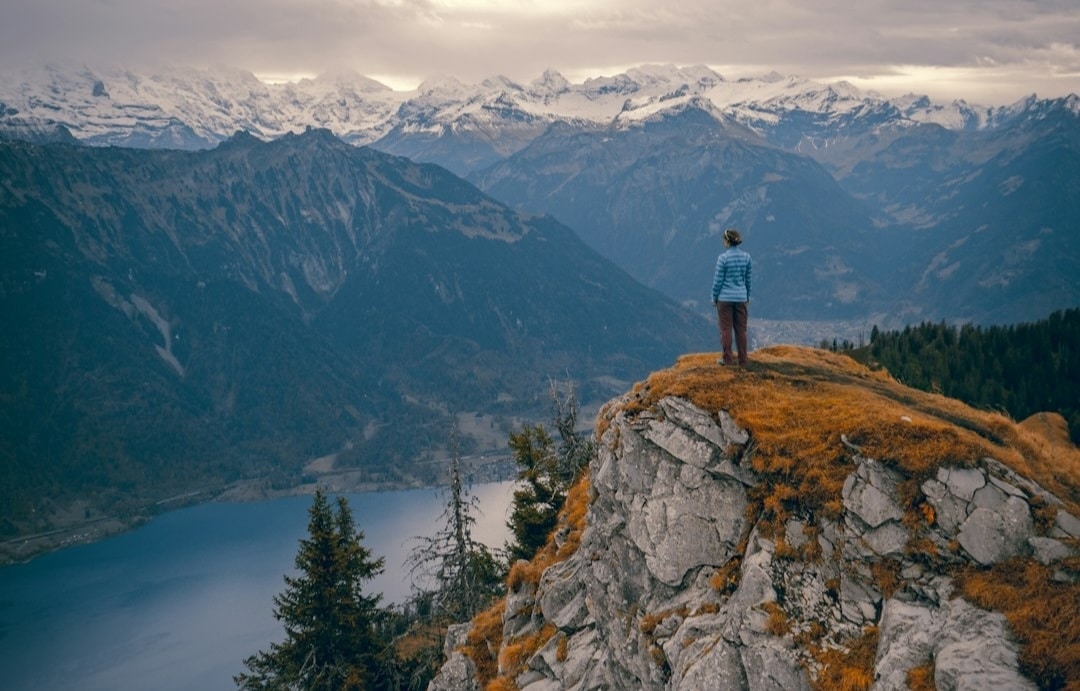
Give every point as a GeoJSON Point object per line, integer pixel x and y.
{"type": "Point", "coordinates": [986, 51]}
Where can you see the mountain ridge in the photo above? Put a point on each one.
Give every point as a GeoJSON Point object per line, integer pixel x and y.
{"type": "Point", "coordinates": [947, 190]}
{"type": "Point", "coordinates": [121, 106]}
{"type": "Point", "coordinates": [191, 320]}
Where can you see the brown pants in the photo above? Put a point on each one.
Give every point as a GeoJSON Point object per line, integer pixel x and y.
{"type": "Point", "coordinates": [733, 316]}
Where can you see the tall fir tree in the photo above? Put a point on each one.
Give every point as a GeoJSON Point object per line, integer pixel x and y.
{"type": "Point", "coordinates": [455, 577]}
{"type": "Point", "coordinates": [332, 636]}
{"type": "Point", "coordinates": [463, 574]}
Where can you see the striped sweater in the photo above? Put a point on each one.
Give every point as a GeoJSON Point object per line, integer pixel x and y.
{"type": "Point", "coordinates": [731, 282]}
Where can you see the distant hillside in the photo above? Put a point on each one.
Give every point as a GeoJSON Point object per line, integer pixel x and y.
{"type": "Point", "coordinates": [988, 217]}
{"type": "Point", "coordinates": [933, 224]}
{"type": "Point", "coordinates": [656, 195]}
{"type": "Point", "coordinates": [177, 321]}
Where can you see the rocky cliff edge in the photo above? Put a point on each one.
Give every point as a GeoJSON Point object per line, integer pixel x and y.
{"type": "Point", "coordinates": [805, 523]}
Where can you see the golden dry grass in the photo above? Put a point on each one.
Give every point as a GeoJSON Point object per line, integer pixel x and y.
{"type": "Point", "coordinates": [1051, 427]}
{"type": "Point", "coordinates": [725, 580]}
{"type": "Point", "coordinates": [799, 402]}
{"type": "Point", "coordinates": [487, 637]}
{"type": "Point", "coordinates": [562, 652]}
{"type": "Point", "coordinates": [886, 573]}
{"type": "Point", "coordinates": [517, 652]}
{"type": "Point", "coordinates": [501, 684]}
{"type": "Point", "coordinates": [921, 678]}
{"type": "Point", "coordinates": [1044, 615]}
{"type": "Point", "coordinates": [778, 624]}
{"type": "Point", "coordinates": [807, 408]}
{"type": "Point", "coordinates": [420, 637]}
{"type": "Point", "coordinates": [483, 642]}
{"type": "Point", "coordinates": [572, 515]}
{"type": "Point", "coordinates": [850, 669]}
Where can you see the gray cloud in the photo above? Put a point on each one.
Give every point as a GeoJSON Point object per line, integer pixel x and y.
{"type": "Point", "coordinates": [989, 51]}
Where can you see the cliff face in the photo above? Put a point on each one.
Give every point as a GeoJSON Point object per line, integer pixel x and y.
{"type": "Point", "coordinates": [803, 524]}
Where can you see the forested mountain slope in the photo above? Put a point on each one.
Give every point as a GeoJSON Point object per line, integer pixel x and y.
{"type": "Point", "coordinates": [176, 321]}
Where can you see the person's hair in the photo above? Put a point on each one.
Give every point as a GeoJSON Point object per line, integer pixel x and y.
{"type": "Point", "coordinates": [732, 237]}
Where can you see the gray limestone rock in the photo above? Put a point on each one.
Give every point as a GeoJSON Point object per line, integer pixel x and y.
{"type": "Point", "coordinates": [457, 674]}
{"type": "Point", "coordinates": [562, 596]}
{"type": "Point", "coordinates": [906, 636]}
{"type": "Point", "coordinates": [983, 536]}
{"type": "Point", "coordinates": [962, 482]}
{"type": "Point", "coordinates": [1067, 523]}
{"type": "Point", "coordinates": [456, 636]}
{"type": "Point", "coordinates": [1047, 550]}
{"type": "Point", "coordinates": [989, 496]}
{"type": "Point", "coordinates": [949, 510]}
{"type": "Point", "coordinates": [669, 509]}
{"type": "Point", "coordinates": [887, 540]}
{"type": "Point", "coordinates": [990, 536]}
{"type": "Point", "coordinates": [773, 666]}
{"type": "Point", "coordinates": [714, 665]}
{"type": "Point", "coordinates": [578, 670]}
{"type": "Point", "coordinates": [870, 493]}
{"type": "Point", "coordinates": [970, 648]}
{"type": "Point", "coordinates": [976, 652]}
{"type": "Point", "coordinates": [687, 528]}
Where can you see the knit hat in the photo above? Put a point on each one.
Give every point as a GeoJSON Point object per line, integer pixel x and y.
{"type": "Point", "coordinates": [732, 237]}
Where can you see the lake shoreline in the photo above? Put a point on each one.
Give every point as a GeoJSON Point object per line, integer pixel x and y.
{"type": "Point", "coordinates": [75, 531]}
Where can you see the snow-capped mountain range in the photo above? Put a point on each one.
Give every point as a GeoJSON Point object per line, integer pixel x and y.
{"type": "Point", "coordinates": [647, 166]}
{"type": "Point", "coordinates": [197, 108]}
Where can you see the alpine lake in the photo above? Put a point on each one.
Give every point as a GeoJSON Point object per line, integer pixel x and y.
{"type": "Point", "coordinates": [180, 602]}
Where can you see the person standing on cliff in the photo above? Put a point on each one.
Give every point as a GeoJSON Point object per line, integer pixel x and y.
{"type": "Point", "coordinates": [731, 296]}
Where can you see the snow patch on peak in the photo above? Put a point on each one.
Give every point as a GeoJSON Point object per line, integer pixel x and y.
{"type": "Point", "coordinates": [551, 82]}
{"type": "Point", "coordinates": [846, 89]}
{"type": "Point", "coordinates": [346, 77]}
{"type": "Point", "coordinates": [1072, 104]}
{"type": "Point", "coordinates": [441, 84]}
{"type": "Point", "coordinates": [654, 109]}
{"type": "Point", "coordinates": [500, 83]}
{"type": "Point", "coordinates": [653, 76]}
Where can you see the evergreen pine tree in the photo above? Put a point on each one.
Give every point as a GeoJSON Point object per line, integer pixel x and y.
{"type": "Point", "coordinates": [545, 474]}
{"type": "Point", "coordinates": [538, 499]}
{"type": "Point", "coordinates": [331, 639]}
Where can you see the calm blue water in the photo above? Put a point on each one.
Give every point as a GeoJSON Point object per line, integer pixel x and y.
{"type": "Point", "coordinates": [180, 602]}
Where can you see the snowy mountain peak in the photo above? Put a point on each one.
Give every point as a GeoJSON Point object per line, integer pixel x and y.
{"type": "Point", "coordinates": [1072, 103]}
{"type": "Point", "coordinates": [441, 84]}
{"type": "Point", "coordinates": [654, 109]}
{"type": "Point", "coordinates": [344, 77]}
{"type": "Point", "coordinates": [199, 108]}
{"type": "Point", "coordinates": [651, 76]}
{"type": "Point", "coordinates": [551, 82]}
{"type": "Point", "coordinates": [501, 83]}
